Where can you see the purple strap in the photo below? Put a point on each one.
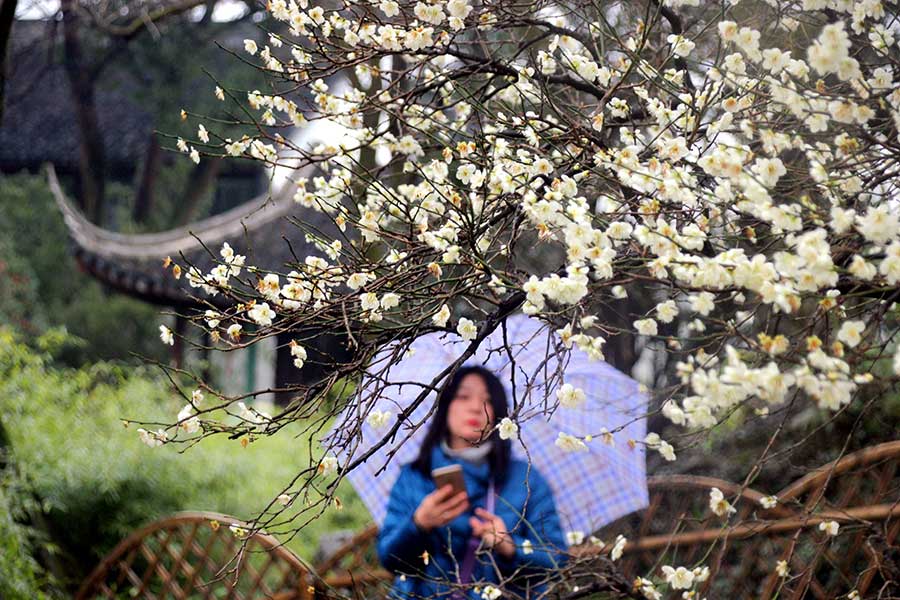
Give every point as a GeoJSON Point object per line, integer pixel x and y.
{"type": "Point", "coordinates": [468, 563]}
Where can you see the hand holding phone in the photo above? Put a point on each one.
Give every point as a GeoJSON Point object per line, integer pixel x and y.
{"type": "Point", "coordinates": [452, 474]}
{"type": "Point", "coordinates": [445, 503]}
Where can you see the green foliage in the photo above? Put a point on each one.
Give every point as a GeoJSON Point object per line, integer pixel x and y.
{"type": "Point", "coordinates": [97, 481]}
{"type": "Point", "coordinates": [20, 575]}
{"type": "Point", "coordinates": [47, 289]}
{"type": "Point", "coordinates": [18, 290]}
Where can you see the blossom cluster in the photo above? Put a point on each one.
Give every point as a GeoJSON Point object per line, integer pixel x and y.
{"type": "Point", "coordinates": [724, 195]}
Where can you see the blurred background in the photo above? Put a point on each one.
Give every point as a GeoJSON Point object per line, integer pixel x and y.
{"type": "Point", "coordinates": [95, 88]}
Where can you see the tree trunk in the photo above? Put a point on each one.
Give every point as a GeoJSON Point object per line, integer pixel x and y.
{"type": "Point", "coordinates": [7, 16]}
{"type": "Point", "coordinates": [198, 184]}
{"type": "Point", "coordinates": [181, 324]}
{"type": "Point", "coordinates": [143, 198]}
{"type": "Point", "coordinates": [91, 156]}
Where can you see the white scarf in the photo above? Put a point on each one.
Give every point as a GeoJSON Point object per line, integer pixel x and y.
{"type": "Point", "coordinates": [473, 454]}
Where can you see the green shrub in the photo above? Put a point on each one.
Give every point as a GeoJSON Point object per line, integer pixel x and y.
{"type": "Point", "coordinates": [20, 575]}
{"type": "Point", "coordinates": [97, 481]}
{"type": "Point", "coordinates": [41, 285]}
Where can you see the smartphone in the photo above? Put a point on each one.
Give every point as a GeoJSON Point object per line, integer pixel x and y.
{"type": "Point", "coordinates": [452, 474]}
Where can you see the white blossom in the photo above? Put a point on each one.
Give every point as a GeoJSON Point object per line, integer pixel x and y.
{"type": "Point", "coordinates": [679, 578]}
{"type": "Point", "coordinates": [261, 314]}
{"type": "Point", "coordinates": [570, 396]}
{"type": "Point", "coordinates": [327, 466]}
{"type": "Point", "coordinates": [489, 592]}
{"type": "Point", "coordinates": [851, 332]}
{"type": "Point", "coordinates": [718, 504]}
{"type": "Point", "coordinates": [369, 301]}
{"type": "Point", "coordinates": [681, 46]}
{"type": "Point", "coordinates": [379, 418]}
{"type": "Point", "coordinates": [390, 300]}
{"type": "Point", "coordinates": [666, 312]}
{"type": "Point", "coordinates": [298, 353]}
{"type": "Point", "coordinates": [829, 527]}
{"type": "Point", "coordinates": [188, 423]}
{"type": "Point", "coordinates": [440, 317]}
{"type": "Point", "coordinates": [781, 568]}
{"type": "Point", "coordinates": [153, 439]}
{"type": "Point", "coordinates": [646, 326]}
{"type": "Point", "coordinates": [570, 443]}
{"type": "Point", "coordinates": [166, 335]}
{"type": "Point", "coordinates": [252, 415]}
{"type": "Point", "coordinates": [467, 329]}
{"type": "Point", "coordinates": [574, 538]}
{"type": "Point", "coordinates": [508, 429]}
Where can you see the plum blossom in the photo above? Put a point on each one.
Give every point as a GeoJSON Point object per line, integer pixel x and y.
{"type": "Point", "coordinates": [390, 300]}
{"type": "Point", "coordinates": [781, 568]}
{"type": "Point", "coordinates": [467, 329]}
{"type": "Point", "coordinates": [166, 335]}
{"type": "Point", "coordinates": [379, 418]}
{"type": "Point", "coordinates": [646, 326]}
{"type": "Point", "coordinates": [570, 443]}
{"type": "Point", "coordinates": [490, 592]}
{"type": "Point", "coordinates": [570, 396]}
{"type": "Point", "coordinates": [681, 46]}
{"type": "Point", "coordinates": [188, 424]}
{"type": "Point", "coordinates": [154, 439]}
{"type": "Point", "coordinates": [829, 527]}
{"type": "Point", "coordinates": [718, 504]}
{"type": "Point", "coordinates": [298, 353]}
{"type": "Point", "coordinates": [508, 429]}
{"type": "Point", "coordinates": [851, 332]}
{"type": "Point", "coordinates": [679, 578]}
{"type": "Point", "coordinates": [327, 466]}
{"type": "Point", "coordinates": [441, 316]}
{"type": "Point", "coordinates": [666, 311]}
{"type": "Point", "coordinates": [261, 314]}
{"type": "Point", "coordinates": [574, 538]}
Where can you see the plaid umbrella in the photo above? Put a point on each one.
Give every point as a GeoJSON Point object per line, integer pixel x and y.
{"type": "Point", "coordinates": [591, 488]}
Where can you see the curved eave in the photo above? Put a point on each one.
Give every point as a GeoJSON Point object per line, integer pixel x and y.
{"type": "Point", "coordinates": [156, 246]}
{"type": "Point", "coordinates": [133, 263]}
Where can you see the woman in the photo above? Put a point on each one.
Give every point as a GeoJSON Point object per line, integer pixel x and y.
{"type": "Point", "coordinates": [427, 531]}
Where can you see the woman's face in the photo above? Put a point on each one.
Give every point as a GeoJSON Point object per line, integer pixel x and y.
{"type": "Point", "coordinates": [470, 416]}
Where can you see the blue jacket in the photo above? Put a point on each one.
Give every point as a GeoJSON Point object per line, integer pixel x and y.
{"type": "Point", "coordinates": [401, 544]}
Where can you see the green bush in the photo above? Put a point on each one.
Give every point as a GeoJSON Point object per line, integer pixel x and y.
{"type": "Point", "coordinates": [19, 304]}
{"type": "Point", "coordinates": [20, 575]}
{"type": "Point", "coordinates": [97, 482]}
{"type": "Point", "coordinates": [41, 285]}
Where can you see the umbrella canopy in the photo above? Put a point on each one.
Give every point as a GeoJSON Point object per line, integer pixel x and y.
{"type": "Point", "coordinates": [591, 488]}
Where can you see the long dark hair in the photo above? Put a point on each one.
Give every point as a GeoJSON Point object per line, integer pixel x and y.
{"type": "Point", "coordinates": [499, 456]}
